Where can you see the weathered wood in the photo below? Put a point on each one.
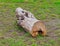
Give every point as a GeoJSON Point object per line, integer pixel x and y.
{"type": "Point", "coordinates": [27, 20]}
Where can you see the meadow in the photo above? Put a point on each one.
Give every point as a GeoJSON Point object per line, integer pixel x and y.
{"type": "Point", "coordinates": [46, 10]}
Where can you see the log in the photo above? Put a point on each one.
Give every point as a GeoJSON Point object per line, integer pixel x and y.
{"type": "Point", "coordinates": [32, 25]}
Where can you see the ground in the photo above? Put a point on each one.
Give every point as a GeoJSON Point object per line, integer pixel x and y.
{"type": "Point", "coordinates": [46, 10]}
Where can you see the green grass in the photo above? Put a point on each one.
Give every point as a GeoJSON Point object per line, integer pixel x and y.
{"type": "Point", "coordinates": [12, 35]}
{"type": "Point", "coordinates": [14, 1]}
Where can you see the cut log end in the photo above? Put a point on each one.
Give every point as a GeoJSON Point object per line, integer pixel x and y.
{"type": "Point", "coordinates": [38, 28]}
